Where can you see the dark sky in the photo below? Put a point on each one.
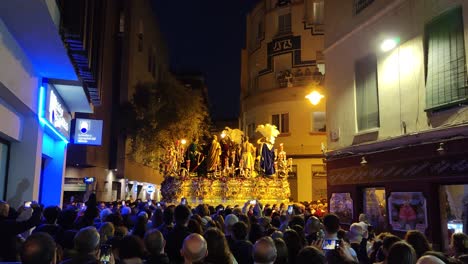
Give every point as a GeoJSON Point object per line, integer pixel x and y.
{"type": "Point", "coordinates": [207, 36]}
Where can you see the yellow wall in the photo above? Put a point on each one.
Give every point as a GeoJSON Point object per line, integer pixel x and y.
{"type": "Point", "coordinates": [259, 103]}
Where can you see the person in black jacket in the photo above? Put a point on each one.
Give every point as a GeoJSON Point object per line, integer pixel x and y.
{"type": "Point", "coordinates": [241, 248]}
{"type": "Point", "coordinates": [10, 228]}
{"type": "Point", "coordinates": [176, 236]}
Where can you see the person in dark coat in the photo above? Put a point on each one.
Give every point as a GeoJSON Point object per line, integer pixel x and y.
{"type": "Point", "coordinates": [176, 236]}
{"type": "Point", "coordinates": [154, 242]}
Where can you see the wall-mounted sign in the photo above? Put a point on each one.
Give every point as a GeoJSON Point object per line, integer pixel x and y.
{"type": "Point", "coordinates": [88, 132]}
{"type": "Point", "coordinates": [150, 189]}
{"type": "Point", "coordinates": [57, 113]}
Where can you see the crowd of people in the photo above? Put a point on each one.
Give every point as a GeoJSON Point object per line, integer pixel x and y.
{"type": "Point", "coordinates": [151, 232]}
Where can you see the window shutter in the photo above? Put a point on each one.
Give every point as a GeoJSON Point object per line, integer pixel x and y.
{"type": "Point", "coordinates": [446, 82]}
{"type": "Point", "coordinates": [367, 102]}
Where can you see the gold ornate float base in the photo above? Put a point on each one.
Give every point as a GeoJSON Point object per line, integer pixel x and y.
{"type": "Point", "coordinates": [227, 191]}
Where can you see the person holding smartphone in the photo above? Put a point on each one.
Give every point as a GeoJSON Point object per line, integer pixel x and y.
{"type": "Point", "coordinates": [10, 228]}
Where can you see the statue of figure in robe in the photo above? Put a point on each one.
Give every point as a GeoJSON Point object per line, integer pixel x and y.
{"type": "Point", "coordinates": [213, 159]}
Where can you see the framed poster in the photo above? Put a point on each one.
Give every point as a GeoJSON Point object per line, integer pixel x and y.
{"type": "Point", "coordinates": [407, 211]}
{"type": "Point", "coordinates": [341, 204]}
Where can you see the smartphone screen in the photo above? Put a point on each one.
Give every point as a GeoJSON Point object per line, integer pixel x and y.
{"type": "Point", "coordinates": [290, 209]}
{"type": "Point", "coordinates": [184, 201]}
{"type": "Point", "coordinates": [329, 244]}
{"type": "Point", "coordinates": [123, 203]}
{"type": "Point", "coordinates": [253, 202]}
{"type": "Point", "coordinates": [105, 254]}
{"type": "Point", "coordinates": [27, 204]}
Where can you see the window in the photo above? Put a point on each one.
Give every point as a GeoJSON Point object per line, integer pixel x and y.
{"type": "Point", "coordinates": [122, 22]}
{"type": "Point", "coordinates": [284, 24]}
{"type": "Point", "coordinates": [375, 207]}
{"type": "Point", "coordinates": [318, 122]}
{"type": "Point", "coordinates": [316, 12]}
{"type": "Point", "coordinates": [4, 156]}
{"type": "Point", "coordinates": [446, 80]}
{"type": "Point", "coordinates": [360, 5]}
{"type": "Point", "coordinates": [281, 121]}
{"type": "Point", "coordinates": [367, 100]}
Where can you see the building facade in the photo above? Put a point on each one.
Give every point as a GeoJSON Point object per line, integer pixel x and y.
{"type": "Point", "coordinates": [396, 114]}
{"type": "Point", "coordinates": [282, 63]}
{"type": "Point", "coordinates": [130, 52]}
{"type": "Point", "coordinates": [40, 90]}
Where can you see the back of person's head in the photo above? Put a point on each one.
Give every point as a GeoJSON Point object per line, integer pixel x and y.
{"type": "Point", "coordinates": [67, 218]}
{"type": "Point", "coordinates": [264, 251]}
{"type": "Point", "coordinates": [104, 214]}
{"type": "Point", "coordinates": [355, 233]}
{"type": "Point", "coordinates": [194, 248]}
{"type": "Point", "coordinates": [297, 220]}
{"type": "Point", "coordinates": [194, 226]}
{"type": "Point", "coordinates": [239, 231]}
{"type": "Point", "coordinates": [331, 223]}
{"type": "Point", "coordinates": [281, 251]}
{"type": "Point", "coordinates": [168, 215]}
{"type": "Point", "coordinates": [418, 241]}
{"type": "Point", "coordinates": [202, 210]}
{"type": "Point", "coordinates": [312, 225]}
{"type": "Point", "coordinates": [459, 242]}
{"type": "Point", "coordinates": [256, 232]}
{"type": "Point", "coordinates": [51, 214]}
{"type": "Point", "coordinates": [401, 253]}
{"type": "Point", "coordinates": [217, 246]}
{"type": "Point", "coordinates": [86, 240]}
{"type": "Point", "coordinates": [428, 259]}
{"type": "Point", "coordinates": [131, 246]}
{"type": "Point", "coordinates": [431, 255]}
{"type": "Point", "coordinates": [106, 231]}
{"type": "Point", "coordinates": [39, 248]}
{"type": "Point", "coordinates": [181, 214]}
{"type": "Point", "coordinates": [229, 221]}
{"type": "Point", "coordinates": [294, 243]}
{"type": "Point", "coordinates": [388, 242]}
{"type": "Point", "coordinates": [154, 242]}
{"type": "Point", "coordinates": [310, 255]}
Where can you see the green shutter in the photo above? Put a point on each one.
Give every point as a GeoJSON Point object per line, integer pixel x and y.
{"type": "Point", "coordinates": [446, 81]}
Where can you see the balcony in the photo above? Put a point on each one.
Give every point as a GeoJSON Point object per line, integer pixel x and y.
{"type": "Point", "coordinates": [299, 77]}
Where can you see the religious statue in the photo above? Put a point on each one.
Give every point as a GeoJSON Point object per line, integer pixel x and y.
{"type": "Point", "coordinates": [267, 154]}
{"type": "Point", "coordinates": [213, 160]}
{"type": "Point", "coordinates": [248, 153]}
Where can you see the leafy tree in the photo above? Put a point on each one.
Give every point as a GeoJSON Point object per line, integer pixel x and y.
{"type": "Point", "coordinates": [160, 114]}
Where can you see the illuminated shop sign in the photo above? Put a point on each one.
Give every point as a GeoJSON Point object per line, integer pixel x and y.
{"type": "Point", "coordinates": [53, 113]}
{"type": "Point", "coordinates": [57, 115]}
{"type": "Point", "coordinates": [88, 132]}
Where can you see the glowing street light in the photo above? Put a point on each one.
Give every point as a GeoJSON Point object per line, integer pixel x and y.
{"type": "Point", "coordinates": [314, 97]}
{"type": "Point", "coordinates": [223, 135]}
{"type": "Point", "coordinates": [389, 44]}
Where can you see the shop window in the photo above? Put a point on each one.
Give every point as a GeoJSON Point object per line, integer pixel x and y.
{"type": "Point", "coordinates": [453, 211]}
{"type": "Point", "coordinates": [281, 121]}
{"type": "Point", "coordinates": [367, 100]}
{"type": "Point", "coordinates": [446, 81]}
{"type": "Point", "coordinates": [375, 208]}
{"type": "Point", "coordinates": [4, 159]}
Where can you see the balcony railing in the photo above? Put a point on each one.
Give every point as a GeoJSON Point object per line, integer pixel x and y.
{"type": "Point", "coordinates": [299, 77]}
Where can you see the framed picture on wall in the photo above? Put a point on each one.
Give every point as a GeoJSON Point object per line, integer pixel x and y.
{"type": "Point", "coordinates": [407, 211]}
{"type": "Point", "coordinates": [341, 204]}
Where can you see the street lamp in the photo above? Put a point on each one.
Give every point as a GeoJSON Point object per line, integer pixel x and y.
{"type": "Point", "coordinates": [314, 97]}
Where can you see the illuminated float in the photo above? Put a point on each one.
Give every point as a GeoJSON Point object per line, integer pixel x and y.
{"type": "Point", "coordinates": [229, 170]}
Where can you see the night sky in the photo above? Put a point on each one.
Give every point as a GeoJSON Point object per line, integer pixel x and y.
{"type": "Point", "coordinates": [207, 36]}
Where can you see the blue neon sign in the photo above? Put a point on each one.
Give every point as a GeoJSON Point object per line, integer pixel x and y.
{"type": "Point", "coordinates": [42, 118]}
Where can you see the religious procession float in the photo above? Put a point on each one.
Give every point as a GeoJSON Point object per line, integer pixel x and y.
{"type": "Point", "coordinates": [229, 170]}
